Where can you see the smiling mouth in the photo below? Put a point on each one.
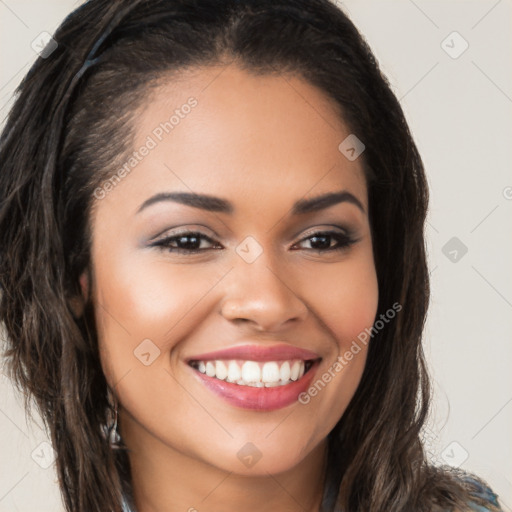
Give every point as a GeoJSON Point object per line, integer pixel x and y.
{"type": "Point", "coordinates": [257, 374]}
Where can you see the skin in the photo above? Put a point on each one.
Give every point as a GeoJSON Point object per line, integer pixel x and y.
{"type": "Point", "coordinates": [261, 142]}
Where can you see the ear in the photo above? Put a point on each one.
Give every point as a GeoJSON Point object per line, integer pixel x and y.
{"type": "Point", "coordinates": [77, 303]}
{"type": "Point", "coordinates": [84, 284]}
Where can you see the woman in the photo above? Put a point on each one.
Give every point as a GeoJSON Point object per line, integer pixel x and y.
{"type": "Point", "coordinates": [213, 269]}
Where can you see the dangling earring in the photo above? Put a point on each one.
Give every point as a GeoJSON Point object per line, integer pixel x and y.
{"type": "Point", "coordinates": [111, 432]}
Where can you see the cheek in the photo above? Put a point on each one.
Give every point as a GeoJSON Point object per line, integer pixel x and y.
{"type": "Point", "coordinates": [346, 298]}
{"type": "Point", "coordinates": [147, 308]}
{"type": "Point", "coordinates": [346, 301]}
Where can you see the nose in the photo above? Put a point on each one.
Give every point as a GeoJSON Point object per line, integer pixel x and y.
{"type": "Point", "coordinates": [261, 294]}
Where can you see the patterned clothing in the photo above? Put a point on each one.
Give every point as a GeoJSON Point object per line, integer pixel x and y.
{"type": "Point", "coordinates": [486, 494]}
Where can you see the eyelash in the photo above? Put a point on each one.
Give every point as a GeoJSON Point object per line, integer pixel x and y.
{"type": "Point", "coordinates": [343, 242]}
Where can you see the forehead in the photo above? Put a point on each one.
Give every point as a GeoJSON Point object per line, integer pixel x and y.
{"type": "Point", "coordinates": [226, 131]}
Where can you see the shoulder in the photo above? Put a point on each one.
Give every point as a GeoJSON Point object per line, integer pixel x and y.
{"type": "Point", "coordinates": [483, 499]}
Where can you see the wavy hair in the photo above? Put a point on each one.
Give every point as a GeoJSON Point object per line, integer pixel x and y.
{"type": "Point", "coordinates": [73, 121]}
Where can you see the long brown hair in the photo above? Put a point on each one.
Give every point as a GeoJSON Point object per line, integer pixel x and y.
{"type": "Point", "coordinates": [73, 121]}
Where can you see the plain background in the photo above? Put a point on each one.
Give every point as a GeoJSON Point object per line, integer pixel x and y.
{"type": "Point", "coordinates": [459, 110]}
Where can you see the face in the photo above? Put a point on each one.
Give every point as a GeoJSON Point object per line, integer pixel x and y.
{"type": "Point", "coordinates": [217, 315]}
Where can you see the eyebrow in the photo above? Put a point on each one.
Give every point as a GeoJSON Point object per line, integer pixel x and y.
{"type": "Point", "coordinates": [216, 204]}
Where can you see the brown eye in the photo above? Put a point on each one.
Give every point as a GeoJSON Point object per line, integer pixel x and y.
{"type": "Point", "coordinates": [187, 242]}
{"type": "Point", "coordinates": [322, 241]}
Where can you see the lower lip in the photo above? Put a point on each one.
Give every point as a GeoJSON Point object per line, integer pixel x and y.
{"type": "Point", "coordinates": [259, 399]}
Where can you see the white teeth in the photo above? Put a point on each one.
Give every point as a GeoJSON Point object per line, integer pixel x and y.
{"type": "Point", "coordinates": [270, 373]}
{"type": "Point", "coordinates": [294, 374]}
{"type": "Point", "coordinates": [285, 372]}
{"type": "Point", "coordinates": [254, 384]}
{"type": "Point", "coordinates": [210, 369]}
{"type": "Point", "coordinates": [221, 372]}
{"type": "Point", "coordinates": [234, 372]}
{"type": "Point", "coordinates": [252, 373]}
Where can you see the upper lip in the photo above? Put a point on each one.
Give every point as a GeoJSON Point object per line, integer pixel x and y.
{"type": "Point", "coordinates": [252, 352]}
